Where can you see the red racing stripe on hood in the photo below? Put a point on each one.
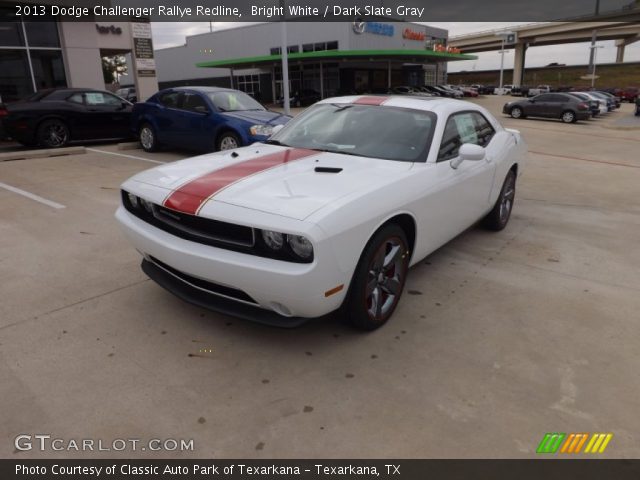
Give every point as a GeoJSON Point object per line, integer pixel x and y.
{"type": "Point", "coordinates": [190, 197]}
{"type": "Point", "coordinates": [370, 100]}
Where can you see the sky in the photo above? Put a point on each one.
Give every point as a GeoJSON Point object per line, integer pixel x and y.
{"type": "Point", "coordinates": [167, 34]}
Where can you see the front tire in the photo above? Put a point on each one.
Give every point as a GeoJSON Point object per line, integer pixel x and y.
{"type": "Point", "coordinates": [379, 279]}
{"type": "Point", "coordinates": [53, 134]}
{"type": "Point", "coordinates": [228, 141]}
{"type": "Point", "coordinates": [568, 117]}
{"type": "Point", "coordinates": [148, 139]}
{"type": "Point", "coordinates": [499, 216]}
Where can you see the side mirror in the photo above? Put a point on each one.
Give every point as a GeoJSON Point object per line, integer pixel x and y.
{"type": "Point", "coordinates": [201, 109]}
{"type": "Point", "coordinates": [469, 152]}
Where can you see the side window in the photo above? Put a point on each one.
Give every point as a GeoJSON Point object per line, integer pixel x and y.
{"type": "Point", "coordinates": [101, 99]}
{"type": "Point", "coordinates": [544, 98]}
{"type": "Point", "coordinates": [484, 130]}
{"type": "Point", "coordinates": [467, 127]}
{"type": "Point", "coordinates": [76, 98]}
{"type": "Point", "coordinates": [169, 99]}
{"type": "Point", "coordinates": [451, 141]}
{"type": "Point", "coordinates": [193, 102]}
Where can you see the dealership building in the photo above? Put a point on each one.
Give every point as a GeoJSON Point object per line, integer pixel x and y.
{"type": "Point", "coordinates": [330, 58]}
{"type": "Point", "coordinates": [48, 53]}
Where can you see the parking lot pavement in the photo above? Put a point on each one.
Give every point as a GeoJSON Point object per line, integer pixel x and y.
{"type": "Point", "coordinates": [499, 338]}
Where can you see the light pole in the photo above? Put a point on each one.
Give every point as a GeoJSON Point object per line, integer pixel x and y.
{"type": "Point", "coordinates": [285, 62]}
{"type": "Point", "coordinates": [594, 55]}
{"type": "Point", "coordinates": [503, 36]}
{"type": "Point", "coordinates": [594, 37]}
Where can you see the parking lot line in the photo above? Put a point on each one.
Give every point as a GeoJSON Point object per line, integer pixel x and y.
{"type": "Point", "coordinates": [133, 157]}
{"type": "Point", "coordinates": [32, 196]}
{"type": "Point", "coordinates": [583, 159]}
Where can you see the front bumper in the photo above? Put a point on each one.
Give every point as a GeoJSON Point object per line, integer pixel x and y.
{"type": "Point", "coordinates": [274, 287]}
{"type": "Point", "coordinates": [221, 304]}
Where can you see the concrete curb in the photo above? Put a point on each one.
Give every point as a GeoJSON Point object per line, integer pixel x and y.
{"type": "Point", "coordinates": [52, 152]}
{"type": "Point", "coordinates": [129, 146]}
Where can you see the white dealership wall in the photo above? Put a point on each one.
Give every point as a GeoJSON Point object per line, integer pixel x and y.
{"type": "Point", "coordinates": [179, 63]}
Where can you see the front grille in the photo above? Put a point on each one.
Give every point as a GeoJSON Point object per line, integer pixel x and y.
{"type": "Point", "coordinates": [207, 231]}
{"type": "Point", "coordinates": [194, 228]}
{"type": "Point", "coordinates": [204, 228]}
{"type": "Point", "coordinates": [205, 285]}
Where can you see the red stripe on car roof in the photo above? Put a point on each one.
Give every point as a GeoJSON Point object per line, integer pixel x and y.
{"type": "Point", "coordinates": [370, 100]}
{"type": "Point", "coordinates": [190, 197]}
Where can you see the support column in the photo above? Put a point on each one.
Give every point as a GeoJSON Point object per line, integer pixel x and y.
{"type": "Point", "coordinates": [231, 77]}
{"type": "Point", "coordinates": [321, 82]}
{"type": "Point", "coordinates": [621, 44]}
{"type": "Point", "coordinates": [620, 53]}
{"type": "Point", "coordinates": [518, 64]}
{"type": "Point", "coordinates": [389, 74]}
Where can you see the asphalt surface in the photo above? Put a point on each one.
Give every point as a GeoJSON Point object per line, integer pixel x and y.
{"type": "Point", "coordinates": [499, 337]}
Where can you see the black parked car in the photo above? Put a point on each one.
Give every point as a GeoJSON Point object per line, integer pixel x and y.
{"type": "Point", "coordinates": [566, 107]}
{"type": "Point", "coordinates": [53, 118]}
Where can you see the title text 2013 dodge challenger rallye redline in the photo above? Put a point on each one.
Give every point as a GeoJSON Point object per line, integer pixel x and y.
{"type": "Point", "coordinates": [329, 213]}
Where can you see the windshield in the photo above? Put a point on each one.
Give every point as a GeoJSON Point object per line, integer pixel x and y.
{"type": "Point", "coordinates": [370, 131]}
{"type": "Point", "coordinates": [234, 101]}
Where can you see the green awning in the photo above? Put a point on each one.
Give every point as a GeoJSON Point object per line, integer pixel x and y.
{"type": "Point", "coordinates": [407, 56]}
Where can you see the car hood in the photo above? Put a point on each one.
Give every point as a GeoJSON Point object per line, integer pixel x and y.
{"type": "Point", "coordinates": [259, 117]}
{"type": "Point", "coordinates": [295, 184]}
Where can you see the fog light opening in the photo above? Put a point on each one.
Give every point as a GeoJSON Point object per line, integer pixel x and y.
{"type": "Point", "coordinates": [280, 309]}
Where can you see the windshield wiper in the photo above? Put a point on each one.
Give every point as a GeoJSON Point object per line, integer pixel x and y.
{"type": "Point", "coordinates": [340, 107]}
{"type": "Point", "coordinates": [276, 142]}
{"type": "Point", "coordinates": [327, 150]}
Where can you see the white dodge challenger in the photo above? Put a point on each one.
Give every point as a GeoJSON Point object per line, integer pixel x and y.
{"type": "Point", "coordinates": [329, 213]}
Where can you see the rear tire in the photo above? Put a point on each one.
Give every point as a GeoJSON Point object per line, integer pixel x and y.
{"type": "Point", "coordinates": [568, 117]}
{"type": "Point", "coordinates": [379, 279]}
{"type": "Point", "coordinates": [53, 134]}
{"type": "Point", "coordinates": [499, 216]}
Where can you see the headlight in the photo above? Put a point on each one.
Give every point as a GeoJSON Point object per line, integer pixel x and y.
{"type": "Point", "coordinates": [146, 204]}
{"type": "Point", "coordinates": [133, 200]}
{"type": "Point", "coordinates": [300, 246]}
{"type": "Point", "coordinates": [273, 240]}
{"type": "Point", "coordinates": [265, 130]}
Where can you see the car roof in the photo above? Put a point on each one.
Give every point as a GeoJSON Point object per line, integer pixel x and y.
{"type": "Point", "coordinates": [444, 106]}
{"type": "Point", "coordinates": [204, 89]}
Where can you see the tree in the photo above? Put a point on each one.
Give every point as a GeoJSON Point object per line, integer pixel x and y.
{"type": "Point", "coordinates": [113, 67]}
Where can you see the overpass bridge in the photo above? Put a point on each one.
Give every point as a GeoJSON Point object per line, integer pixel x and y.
{"type": "Point", "coordinates": [621, 26]}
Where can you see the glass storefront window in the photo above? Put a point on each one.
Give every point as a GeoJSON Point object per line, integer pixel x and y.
{"type": "Point", "coordinates": [48, 68]}
{"type": "Point", "coordinates": [15, 78]}
{"type": "Point", "coordinates": [10, 30]}
{"type": "Point", "coordinates": [42, 34]}
{"type": "Point", "coordinates": [28, 64]}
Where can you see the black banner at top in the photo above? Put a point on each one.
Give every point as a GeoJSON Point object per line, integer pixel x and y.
{"type": "Point", "coordinates": [322, 10]}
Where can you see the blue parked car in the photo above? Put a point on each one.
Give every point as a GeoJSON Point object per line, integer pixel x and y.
{"type": "Point", "coordinates": [202, 118]}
